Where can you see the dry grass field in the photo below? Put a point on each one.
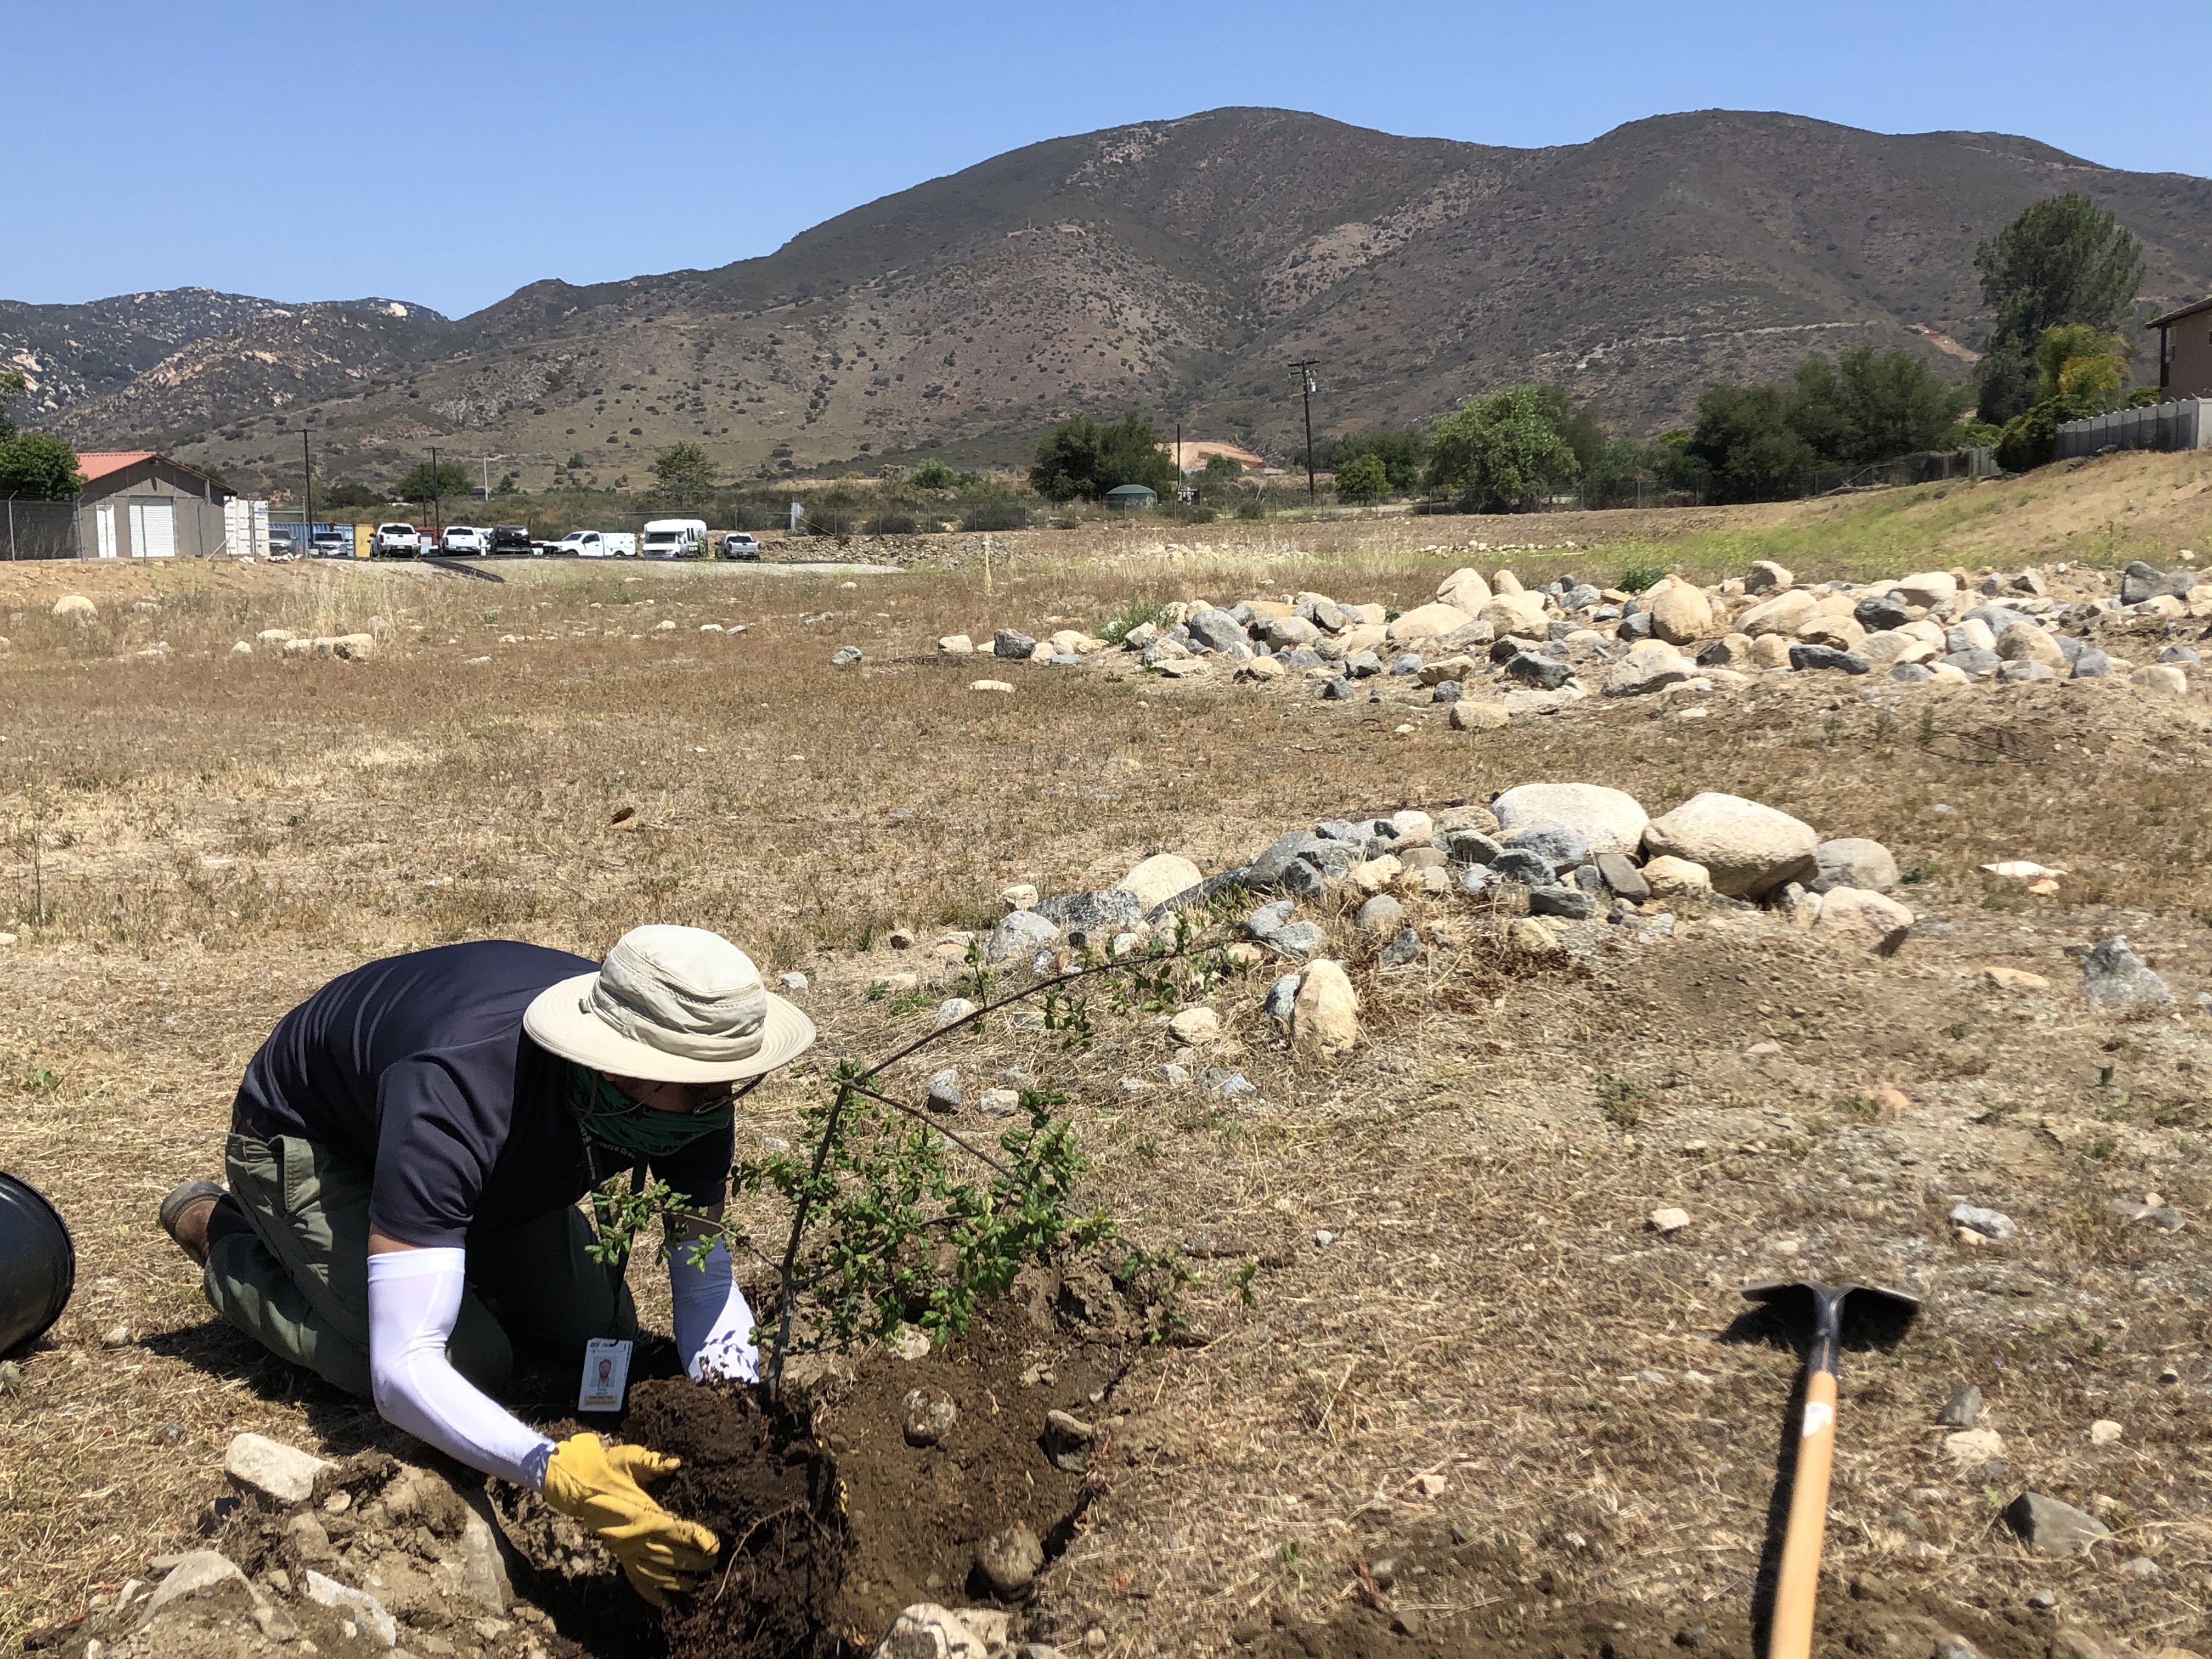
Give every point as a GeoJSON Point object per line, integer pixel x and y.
{"type": "Point", "coordinates": [195, 840]}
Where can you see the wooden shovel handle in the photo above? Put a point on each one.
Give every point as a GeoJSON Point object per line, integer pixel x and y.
{"type": "Point", "coordinates": [1796, 1584]}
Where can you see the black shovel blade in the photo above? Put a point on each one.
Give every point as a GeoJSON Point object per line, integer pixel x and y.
{"type": "Point", "coordinates": [1853, 1316]}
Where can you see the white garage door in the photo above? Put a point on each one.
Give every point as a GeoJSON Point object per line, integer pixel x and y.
{"type": "Point", "coordinates": [154, 530]}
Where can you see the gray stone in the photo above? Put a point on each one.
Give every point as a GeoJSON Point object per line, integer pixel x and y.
{"type": "Point", "coordinates": [1379, 914]}
{"type": "Point", "coordinates": [1997, 618]}
{"type": "Point", "coordinates": [1911, 673]}
{"type": "Point", "coordinates": [1445, 691]}
{"type": "Point", "coordinates": [1022, 933]}
{"type": "Point", "coordinates": [1269, 917]}
{"type": "Point", "coordinates": [1975, 662]}
{"type": "Point", "coordinates": [1331, 857]}
{"type": "Point", "coordinates": [845, 656]}
{"type": "Point", "coordinates": [1095, 916]}
{"type": "Point", "coordinates": [2164, 1216]}
{"type": "Point", "coordinates": [1475, 879]}
{"type": "Point", "coordinates": [1635, 626]}
{"type": "Point", "coordinates": [1962, 1410]}
{"type": "Point", "coordinates": [1546, 673]}
{"type": "Point", "coordinates": [1217, 631]}
{"type": "Point", "coordinates": [1517, 864]}
{"type": "Point", "coordinates": [1363, 665]}
{"type": "Point", "coordinates": [1562, 847]}
{"type": "Point", "coordinates": [944, 1094]}
{"type": "Point", "coordinates": [1989, 1224]}
{"type": "Point", "coordinates": [2050, 1527]}
{"type": "Point", "coordinates": [1571, 903]}
{"type": "Point", "coordinates": [926, 1416]}
{"type": "Point", "coordinates": [1010, 1560]}
{"type": "Point", "coordinates": [791, 983]}
{"type": "Point", "coordinates": [2016, 673]}
{"type": "Point", "coordinates": [1406, 662]}
{"type": "Point", "coordinates": [281, 1473]}
{"type": "Point", "coordinates": [1337, 691]}
{"type": "Point", "coordinates": [1402, 949]}
{"type": "Point", "coordinates": [2178, 654]}
{"type": "Point", "coordinates": [1807, 658]}
{"type": "Point", "coordinates": [1000, 1103]}
{"type": "Point", "coordinates": [2114, 978]}
{"type": "Point", "coordinates": [1265, 873]}
{"type": "Point", "coordinates": [1467, 847]}
{"type": "Point", "coordinates": [482, 1567]}
{"type": "Point", "coordinates": [1586, 877]}
{"type": "Point", "coordinates": [1282, 996]}
{"type": "Point", "coordinates": [200, 1574]}
{"type": "Point", "coordinates": [954, 1008]}
{"type": "Point", "coordinates": [1622, 876]}
{"type": "Point", "coordinates": [1878, 611]}
{"type": "Point", "coordinates": [1230, 1085]}
{"type": "Point", "coordinates": [367, 1612]}
{"type": "Point", "coordinates": [1854, 862]}
{"type": "Point", "coordinates": [1304, 656]}
{"type": "Point", "coordinates": [2043, 1601]}
{"type": "Point", "coordinates": [1297, 941]}
{"type": "Point", "coordinates": [2092, 665]}
{"type": "Point", "coordinates": [1172, 1072]}
{"type": "Point", "coordinates": [1580, 596]}
{"type": "Point", "coordinates": [2139, 581]}
{"type": "Point", "coordinates": [1012, 644]}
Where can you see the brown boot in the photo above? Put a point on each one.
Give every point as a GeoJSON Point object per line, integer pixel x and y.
{"type": "Point", "coordinates": [185, 1214]}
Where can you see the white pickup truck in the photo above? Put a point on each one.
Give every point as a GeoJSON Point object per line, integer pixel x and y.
{"type": "Point", "coordinates": [395, 541]}
{"type": "Point", "coordinates": [598, 544]}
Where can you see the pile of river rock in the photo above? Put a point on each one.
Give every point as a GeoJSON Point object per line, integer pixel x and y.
{"type": "Point", "coordinates": [1549, 645]}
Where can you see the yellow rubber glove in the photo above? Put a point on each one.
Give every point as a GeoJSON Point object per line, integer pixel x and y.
{"type": "Point", "coordinates": [598, 1484]}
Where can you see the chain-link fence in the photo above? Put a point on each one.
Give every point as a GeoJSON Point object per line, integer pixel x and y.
{"type": "Point", "coordinates": [43, 530]}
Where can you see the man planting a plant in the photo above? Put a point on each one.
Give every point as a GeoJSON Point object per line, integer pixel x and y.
{"type": "Point", "coordinates": [405, 1156]}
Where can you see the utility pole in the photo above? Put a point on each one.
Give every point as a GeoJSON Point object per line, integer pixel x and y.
{"type": "Point", "coordinates": [1305, 366]}
{"type": "Point", "coordinates": [307, 468]}
{"type": "Point", "coordinates": [437, 498]}
{"type": "Point", "coordinates": [1179, 479]}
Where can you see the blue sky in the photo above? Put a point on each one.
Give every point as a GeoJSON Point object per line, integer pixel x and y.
{"type": "Point", "coordinates": [449, 153]}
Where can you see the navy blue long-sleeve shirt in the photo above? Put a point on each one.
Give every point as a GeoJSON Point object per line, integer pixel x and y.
{"type": "Point", "coordinates": [416, 1068]}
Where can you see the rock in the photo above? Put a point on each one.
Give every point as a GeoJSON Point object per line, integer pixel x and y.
{"type": "Point", "coordinates": [1281, 998]}
{"type": "Point", "coordinates": [1012, 645]}
{"type": "Point", "coordinates": [1807, 658]}
{"type": "Point", "coordinates": [1928, 590]}
{"type": "Point", "coordinates": [1527, 933]}
{"type": "Point", "coordinates": [1851, 917]}
{"type": "Point", "coordinates": [2104, 1432]}
{"type": "Point", "coordinates": [1445, 691]}
{"type": "Point", "coordinates": [2014, 979]}
{"type": "Point", "coordinates": [2139, 583]}
{"type": "Point", "coordinates": [1673, 877]}
{"type": "Point", "coordinates": [2043, 1601]}
{"type": "Point", "coordinates": [1568, 903]}
{"type": "Point", "coordinates": [926, 1630]}
{"type": "Point", "coordinates": [281, 1473]}
{"type": "Point", "coordinates": [1217, 631]}
{"type": "Point", "coordinates": [1468, 715]}
{"type": "Point", "coordinates": [1651, 666]}
{"type": "Point", "coordinates": [944, 1094]}
{"type": "Point", "coordinates": [1783, 614]}
{"type": "Point", "coordinates": [1765, 576]}
{"type": "Point", "coordinates": [2050, 1527]}
{"type": "Point", "coordinates": [1748, 849]}
{"type": "Point", "coordinates": [1379, 914]}
{"type": "Point", "coordinates": [2025, 643]}
{"type": "Point", "coordinates": [1669, 1220]}
{"type": "Point", "coordinates": [1911, 673]}
{"type": "Point", "coordinates": [1021, 935]}
{"type": "Point", "coordinates": [1854, 862]}
{"type": "Point", "coordinates": [1401, 950]}
{"type": "Point", "coordinates": [1879, 612]}
{"type": "Point", "coordinates": [1989, 1224]}
{"type": "Point", "coordinates": [1095, 917]}
{"type": "Point", "coordinates": [956, 645]}
{"type": "Point", "coordinates": [1770, 651]}
{"type": "Point", "coordinates": [1194, 1026]}
{"type": "Point", "coordinates": [1010, 1560]}
{"type": "Point", "coordinates": [1729, 651]}
{"type": "Point", "coordinates": [2160, 677]}
{"type": "Point", "coordinates": [926, 1416]}
{"type": "Point", "coordinates": [309, 1540]}
{"type": "Point", "coordinates": [1973, 1447]}
{"type": "Point", "coordinates": [1518, 865]}
{"type": "Point", "coordinates": [1299, 940]}
{"type": "Point", "coordinates": [200, 1574]}
{"type": "Point", "coordinates": [954, 1009]}
{"type": "Point", "coordinates": [1516, 613]}
{"type": "Point", "coordinates": [364, 1609]}
{"type": "Point", "coordinates": [1963, 1409]}
{"type": "Point", "coordinates": [1680, 614]}
{"type": "Point", "coordinates": [1159, 879]}
{"type": "Point", "coordinates": [1974, 663]}
{"type": "Point", "coordinates": [1000, 1103]}
{"type": "Point", "coordinates": [1466, 589]}
{"type": "Point", "coordinates": [1534, 668]}
{"type": "Point", "coordinates": [1972, 634]}
{"type": "Point", "coordinates": [1325, 1015]}
{"type": "Point", "coordinates": [845, 656]}
{"type": "Point", "coordinates": [1623, 877]}
{"type": "Point", "coordinates": [989, 685]}
{"type": "Point", "coordinates": [1607, 820]}
{"type": "Point", "coordinates": [2115, 980]}
{"type": "Point", "coordinates": [1796, 906]}
{"type": "Point", "coordinates": [1430, 622]}
{"type": "Point", "coordinates": [1467, 847]}
{"type": "Point", "coordinates": [1559, 845]}
{"type": "Point", "coordinates": [2017, 673]}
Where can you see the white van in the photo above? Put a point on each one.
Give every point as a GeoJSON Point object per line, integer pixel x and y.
{"type": "Point", "coordinates": [675, 538]}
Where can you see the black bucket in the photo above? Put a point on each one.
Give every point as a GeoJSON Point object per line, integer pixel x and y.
{"type": "Point", "coordinates": [38, 1265]}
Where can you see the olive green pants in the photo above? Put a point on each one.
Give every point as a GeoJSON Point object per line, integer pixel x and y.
{"type": "Point", "coordinates": [298, 1284]}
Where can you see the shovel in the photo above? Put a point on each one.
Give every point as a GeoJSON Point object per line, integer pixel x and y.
{"type": "Point", "coordinates": [1880, 1315]}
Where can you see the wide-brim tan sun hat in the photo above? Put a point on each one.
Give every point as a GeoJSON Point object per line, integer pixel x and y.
{"type": "Point", "coordinates": [671, 1005]}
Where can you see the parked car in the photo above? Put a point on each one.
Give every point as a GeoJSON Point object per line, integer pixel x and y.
{"type": "Point", "coordinates": [739, 545]}
{"type": "Point", "coordinates": [598, 544]}
{"type": "Point", "coordinates": [396, 541]}
{"type": "Point", "coordinates": [465, 539]}
{"type": "Point", "coordinates": [512, 538]}
{"type": "Point", "coordinates": [330, 544]}
{"type": "Point", "coordinates": [675, 538]}
{"type": "Point", "coordinates": [280, 543]}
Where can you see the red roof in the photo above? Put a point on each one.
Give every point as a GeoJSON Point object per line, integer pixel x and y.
{"type": "Point", "coordinates": [99, 463]}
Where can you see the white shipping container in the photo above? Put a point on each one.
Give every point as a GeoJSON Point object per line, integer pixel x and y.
{"type": "Point", "coordinates": [246, 528]}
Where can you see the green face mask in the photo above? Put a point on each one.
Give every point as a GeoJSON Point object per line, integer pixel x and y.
{"type": "Point", "coordinates": [611, 1117]}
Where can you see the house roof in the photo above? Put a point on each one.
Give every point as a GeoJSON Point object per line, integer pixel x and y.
{"type": "Point", "coordinates": [99, 463]}
{"type": "Point", "coordinates": [2178, 313]}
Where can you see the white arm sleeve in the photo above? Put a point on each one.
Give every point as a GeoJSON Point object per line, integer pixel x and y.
{"type": "Point", "coordinates": [414, 1297]}
{"type": "Point", "coordinates": [713, 1322]}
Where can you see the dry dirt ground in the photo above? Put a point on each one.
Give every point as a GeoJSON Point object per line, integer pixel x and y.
{"type": "Point", "coordinates": [1451, 1273]}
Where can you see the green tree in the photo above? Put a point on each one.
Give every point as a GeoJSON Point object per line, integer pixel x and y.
{"type": "Point", "coordinates": [2082, 368]}
{"type": "Point", "coordinates": [1080, 458]}
{"type": "Point", "coordinates": [347, 495]}
{"type": "Point", "coordinates": [1221, 469]}
{"type": "Point", "coordinates": [1363, 478]}
{"type": "Point", "coordinates": [2063, 260]}
{"type": "Point", "coordinates": [425, 482]}
{"type": "Point", "coordinates": [1745, 445]}
{"type": "Point", "coordinates": [686, 474]}
{"type": "Point", "coordinates": [40, 466]}
{"type": "Point", "coordinates": [1504, 450]}
{"type": "Point", "coordinates": [930, 473]}
{"type": "Point", "coordinates": [1403, 454]}
{"type": "Point", "coordinates": [13, 384]}
{"type": "Point", "coordinates": [1873, 406]}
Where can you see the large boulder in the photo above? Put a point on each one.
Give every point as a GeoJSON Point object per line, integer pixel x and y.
{"type": "Point", "coordinates": [1325, 1014]}
{"type": "Point", "coordinates": [1854, 862]}
{"type": "Point", "coordinates": [1607, 820]}
{"type": "Point", "coordinates": [1746, 849]}
{"type": "Point", "coordinates": [1650, 665]}
{"type": "Point", "coordinates": [1427, 622]}
{"type": "Point", "coordinates": [1516, 613]}
{"type": "Point", "coordinates": [1785, 614]}
{"type": "Point", "coordinates": [1680, 614]}
{"type": "Point", "coordinates": [1930, 590]}
{"type": "Point", "coordinates": [77, 605]}
{"type": "Point", "coordinates": [1765, 576]}
{"type": "Point", "coordinates": [1465, 588]}
{"type": "Point", "coordinates": [1021, 934]}
{"type": "Point", "coordinates": [1217, 631]}
{"type": "Point", "coordinates": [2025, 643]}
{"type": "Point", "coordinates": [1160, 878]}
{"type": "Point", "coordinates": [1852, 919]}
